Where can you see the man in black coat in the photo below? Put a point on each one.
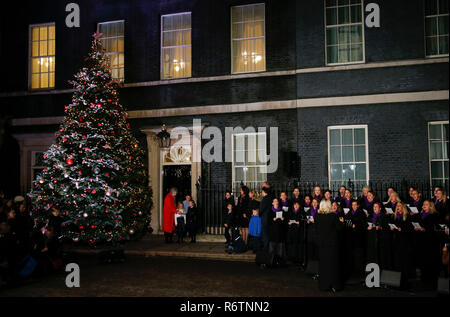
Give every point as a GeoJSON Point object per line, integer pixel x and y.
{"type": "Point", "coordinates": [264, 210]}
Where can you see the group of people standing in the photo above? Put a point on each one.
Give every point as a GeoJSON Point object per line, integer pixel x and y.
{"type": "Point", "coordinates": [26, 248]}
{"type": "Point", "coordinates": [179, 217]}
{"type": "Point", "coordinates": [335, 237]}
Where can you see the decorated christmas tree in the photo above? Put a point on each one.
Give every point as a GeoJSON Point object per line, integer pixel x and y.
{"type": "Point", "coordinates": [94, 172]}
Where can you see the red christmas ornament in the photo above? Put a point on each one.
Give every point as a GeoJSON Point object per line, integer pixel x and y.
{"type": "Point", "coordinates": [69, 161]}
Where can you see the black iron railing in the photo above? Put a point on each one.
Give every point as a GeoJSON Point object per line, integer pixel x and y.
{"type": "Point", "coordinates": [210, 196]}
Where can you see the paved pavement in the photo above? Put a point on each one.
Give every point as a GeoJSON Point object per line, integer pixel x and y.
{"type": "Point", "coordinates": [186, 277]}
{"type": "Point", "coordinates": [207, 247]}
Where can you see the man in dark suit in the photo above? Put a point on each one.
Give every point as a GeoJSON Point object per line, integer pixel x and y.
{"type": "Point", "coordinates": [264, 210]}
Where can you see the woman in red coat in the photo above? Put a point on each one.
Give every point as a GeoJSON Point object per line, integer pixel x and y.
{"type": "Point", "coordinates": [169, 211]}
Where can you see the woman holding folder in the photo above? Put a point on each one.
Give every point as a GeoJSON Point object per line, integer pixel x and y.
{"type": "Point", "coordinates": [374, 228]}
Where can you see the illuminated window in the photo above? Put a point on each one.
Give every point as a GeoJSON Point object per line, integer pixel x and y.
{"type": "Point", "coordinates": [436, 27]}
{"type": "Point", "coordinates": [249, 164]}
{"type": "Point", "coordinates": [176, 45]}
{"type": "Point", "coordinates": [438, 145]}
{"type": "Point", "coordinates": [113, 42]}
{"type": "Point", "coordinates": [42, 56]}
{"type": "Point", "coordinates": [344, 31]}
{"type": "Point", "coordinates": [348, 157]}
{"type": "Point", "coordinates": [248, 43]}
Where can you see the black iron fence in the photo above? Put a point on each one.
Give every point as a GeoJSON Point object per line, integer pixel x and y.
{"type": "Point", "coordinates": [210, 197]}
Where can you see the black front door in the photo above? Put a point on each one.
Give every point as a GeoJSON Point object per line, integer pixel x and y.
{"type": "Point", "coordinates": [178, 176]}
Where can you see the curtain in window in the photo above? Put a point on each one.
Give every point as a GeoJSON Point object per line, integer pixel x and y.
{"type": "Point", "coordinates": [248, 38]}
{"type": "Point", "coordinates": [113, 42]}
{"type": "Point", "coordinates": [176, 46]}
{"type": "Point", "coordinates": [43, 56]}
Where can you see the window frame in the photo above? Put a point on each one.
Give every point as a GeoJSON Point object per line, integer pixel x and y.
{"type": "Point", "coordinates": [233, 166]}
{"type": "Point", "coordinates": [30, 57]}
{"type": "Point", "coordinates": [231, 39]}
{"type": "Point", "coordinates": [33, 165]}
{"type": "Point", "coordinates": [437, 28]}
{"type": "Point", "coordinates": [430, 160]}
{"type": "Point", "coordinates": [161, 45]}
{"type": "Point", "coordinates": [363, 61]}
{"type": "Point", "coordinates": [111, 53]}
{"type": "Point", "coordinates": [344, 127]}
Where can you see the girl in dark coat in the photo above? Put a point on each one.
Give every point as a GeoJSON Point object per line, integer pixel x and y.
{"type": "Point", "coordinates": [328, 226]}
{"type": "Point", "coordinates": [229, 199]}
{"type": "Point", "coordinates": [428, 243]}
{"type": "Point", "coordinates": [192, 220]}
{"type": "Point", "coordinates": [402, 251]}
{"type": "Point", "coordinates": [347, 201]}
{"type": "Point", "coordinates": [284, 202]}
{"type": "Point", "coordinates": [243, 209]}
{"type": "Point", "coordinates": [277, 233]}
{"type": "Point", "coordinates": [294, 245]}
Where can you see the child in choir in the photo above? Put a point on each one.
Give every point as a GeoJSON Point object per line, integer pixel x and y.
{"type": "Point", "coordinates": [192, 220]}
{"type": "Point", "coordinates": [180, 224]}
{"type": "Point", "coordinates": [370, 202]}
{"type": "Point", "coordinates": [390, 190]}
{"type": "Point", "coordinates": [416, 199]}
{"type": "Point", "coordinates": [402, 248]}
{"type": "Point", "coordinates": [428, 244]}
{"type": "Point", "coordinates": [294, 247]}
{"type": "Point", "coordinates": [373, 234]}
{"type": "Point", "coordinates": [307, 202]}
{"type": "Point", "coordinates": [394, 199]}
{"type": "Point", "coordinates": [296, 197]}
{"type": "Point", "coordinates": [254, 231]}
{"type": "Point", "coordinates": [328, 196]}
{"type": "Point", "coordinates": [277, 233]}
{"type": "Point", "coordinates": [341, 196]}
{"type": "Point", "coordinates": [284, 202]}
{"type": "Point", "coordinates": [362, 200]}
{"type": "Point", "coordinates": [348, 198]}
{"type": "Point", "coordinates": [317, 193]}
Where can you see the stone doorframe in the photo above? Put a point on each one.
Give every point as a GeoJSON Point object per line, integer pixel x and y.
{"type": "Point", "coordinates": [155, 177]}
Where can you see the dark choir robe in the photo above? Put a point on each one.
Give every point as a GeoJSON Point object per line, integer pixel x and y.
{"type": "Point", "coordinates": [385, 241]}
{"type": "Point", "coordinates": [358, 241]}
{"type": "Point", "coordinates": [277, 235]}
{"type": "Point", "coordinates": [328, 227]}
{"type": "Point", "coordinates": [415, 235]}
{"type": "Point", "coordinates": [265, 209]}
{"type": "Point", "coordinates": [442, 207]}
{"type": "Point", "coordinates": [295, 236]}
{"type": "Point", "coordinates": [402, 248]}
{"type": "Point", "coordinates": [243, 208]}
{"type": "Point", "coordinates": [346, 203]}
{"type": "Point", "coordinates": [373, 238]}
{"type": "Point", "coordinates": [339, 199]}
{"type": "Point", "coordinates": [368, 205]}
{"type": "Point", "coordinates": [298, 199]}
{"type": "Point", "coordinates": [311, 238]}
{"type": "Point", "coordinates": [391, 205]}
{"type": "Point", "coordinates": [428, 247]}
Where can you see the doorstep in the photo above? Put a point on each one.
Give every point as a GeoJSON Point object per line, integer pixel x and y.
{"type": "Point", "coordinates": [153, 245]}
